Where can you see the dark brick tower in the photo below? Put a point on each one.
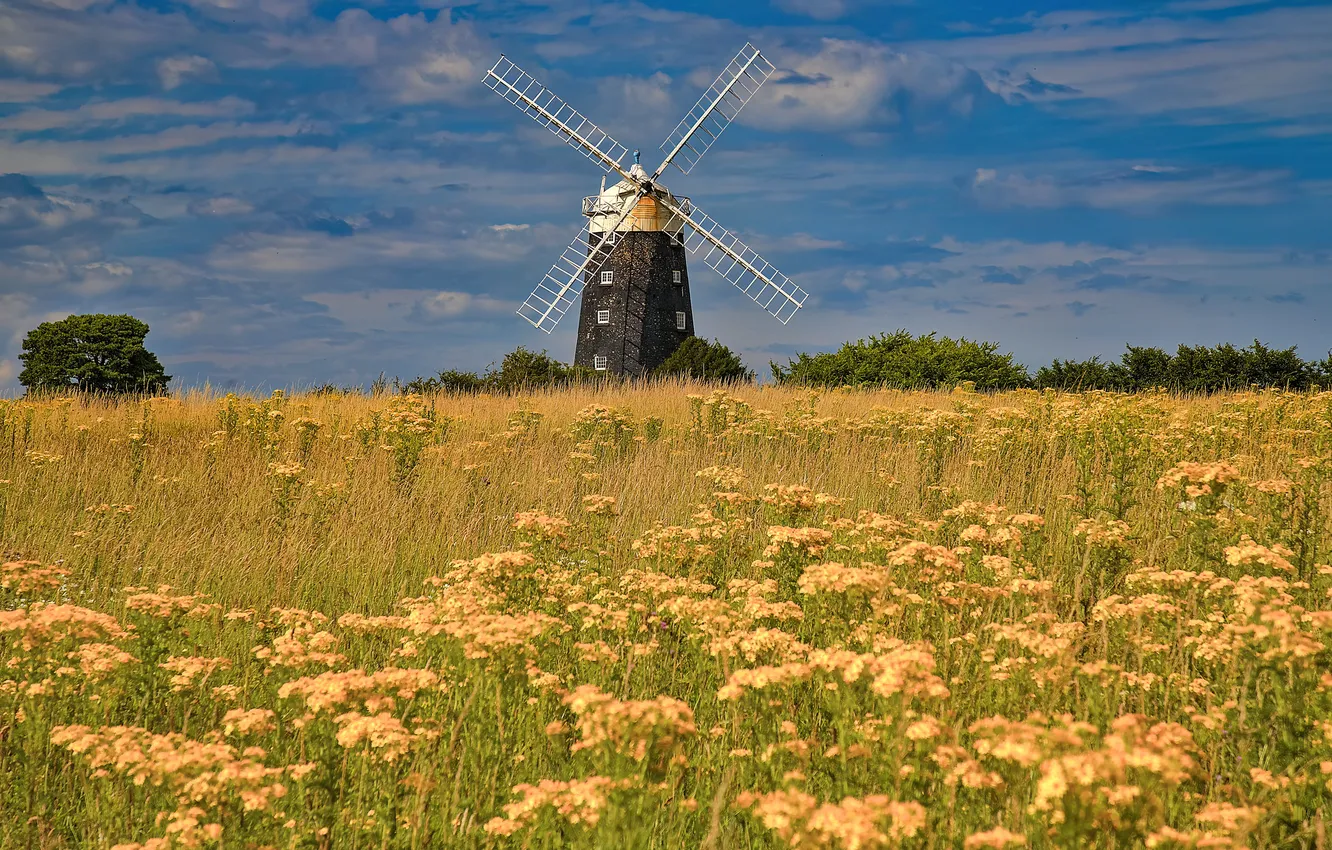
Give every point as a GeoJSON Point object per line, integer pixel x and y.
{"type": "Point", "coordinates": [635, 307]}
{"type": "Point", "coordinates": [635, 310]}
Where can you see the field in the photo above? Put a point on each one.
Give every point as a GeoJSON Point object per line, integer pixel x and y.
{"type": "Point", "coordinates": [667, 617]}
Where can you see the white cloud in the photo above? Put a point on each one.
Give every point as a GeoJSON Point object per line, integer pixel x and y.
{"type": "Point", "coordinates": [410, 58]}
{"type": "Point", "coordinates": [1141, 187]}
{"type": "Point", "coordinates": [172, 71]}
{"type": "Point", "coordinates": [397, 309]}
{"type": "Point", "coordinates": [22, 91]}
{"type": "Point", "coordinates": [507, 228]}
{"type": "Point", "coordinates": [644, 103]}
{"type": "Point", "coordinates": [222, 205]}
{"type": "Point", "coordinates": [104, 111]}
{"type": "Point", "coordinates": [1269, 64]}
{"type": "Point", "coordinates": [831, 10]}
{"type": "Point", "coordinates": [446, 304]}
{"type": "Point", "coordinates": [819, 10]}
{"type": "Point", "coordinates": [806, 242]}
{"type": "Point", "coordinates": [850, 84]}
{"type": "Point", "coordinates": [103, 43]}
{"type": "Point", "coordinates": [230, 10]}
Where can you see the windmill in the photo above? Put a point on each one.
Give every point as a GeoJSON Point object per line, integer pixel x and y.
{"type": "Point", "coordinates": [628, 263]}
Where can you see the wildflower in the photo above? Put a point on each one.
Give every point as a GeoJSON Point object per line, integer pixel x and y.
{"type": "Point", "coordinates": [903, 668]}
{"type": "Point", "coordinates": [541, 526]}
{"type": "Point", "coordinates": [43, 625]}
{"type": "Point", "coordinates": [724, 477]}
{"type": "Point", "coordinates": [1102, 534]}
{"type": "Point", "coordinates": [208, 774]}
{"type": "Point", "coordinates": [41, 459]}
{"type": "Point", "coordinates": [30, 576]}
{"type": "Point", "coordinates": [1248, 552]}
{"type": "Point", "coordinates": [1199, 479]}
{"type": "Point", "coordinates": [191, 671]}
{"type": "Point", "coordinates": [256, 721]}
{"type": "Point", "coordinates": [577, 802]}
{"type": "Point", "coordinates": [801, 821]}
{"type": "Point", "coordinates": [164, 606]}
{"type": "Point", "coordinates": [810, 540]}
{"type": "Point", "coordinates": [997, 838]}
{"type": "Point", "coordinates": [635, 728]}
{"type": "Point", "coordinates": [835, 577]}
{"type": "Point", "coordinates": [386, 737]}
{"type": "Point", "coordinates": [797, 498]}
{"type": "Point", "coordinates": [599, 505]}
{"type": "Point", "coordinates": [333, 691]}
{"type": "Point", "coordinates": [97, 661]}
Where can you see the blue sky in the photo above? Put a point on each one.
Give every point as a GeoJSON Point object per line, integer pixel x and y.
{"type": "Point", "coordinates": [291, 191]}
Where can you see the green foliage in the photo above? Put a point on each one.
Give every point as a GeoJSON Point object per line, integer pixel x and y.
{"type": "Point", "coordinates": [521, 369]}
{"type": "Point", "coordinates": [91, 353]}
{"type": "Point", "coordinates": [705, 361]}
{"type": "Point", "coordinates": [451, 381]}
{"type": "Point", "coordinates": [902, 361]}
{"type": "Point", "coordinates": [1083, 375]}
{"type": "Point", "coordinates": [1191, 369]}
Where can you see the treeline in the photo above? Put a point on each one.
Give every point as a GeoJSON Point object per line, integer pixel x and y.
{"type": "Point", "coordinates": [522, 369]}
{"type": "Point", "coordinates": [1191, 369]}
{"type": "Point", "coordinates": [902, 361]}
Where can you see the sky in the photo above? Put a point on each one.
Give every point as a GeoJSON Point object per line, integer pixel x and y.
{"type": "Point", "coordinates": [295, 192]}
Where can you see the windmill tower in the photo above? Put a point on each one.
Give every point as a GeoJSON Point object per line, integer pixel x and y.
{"type": "Point", "coordinates": [628, 263]}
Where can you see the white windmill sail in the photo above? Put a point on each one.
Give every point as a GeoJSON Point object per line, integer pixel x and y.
{"type": "Point", "coordinates": [545, 107]}
{"type": "Point", "coordinates": [693, 136]}
{"type": "Point", "coordinates": [738, 263]}
{"type": "Point", "coordinates": [715, 110]}
{"type": "Point", "coordinates": [560, 288]}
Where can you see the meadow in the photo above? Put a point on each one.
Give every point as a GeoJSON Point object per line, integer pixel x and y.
{"type": "Point", "coordinates": [666, 617]}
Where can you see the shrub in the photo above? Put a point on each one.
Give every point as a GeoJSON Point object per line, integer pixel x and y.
{"type": "Point", "coordinates": [902, 361]}
{"type": "Point", "coordinates": [522, 369]}
{"type": "Point", "coordinates": [705, 361]}
{"type": "Point", "coordinates": [1072, 375]}
{"type": "Point", "coordinates": [1191, 369]}
{"type": "Point", "coordinates": [451, 381]}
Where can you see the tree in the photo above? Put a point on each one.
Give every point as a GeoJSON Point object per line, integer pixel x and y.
{"type": "Point", "coordinates": [522, 369]}
{"type": "Point", "coordinates": [1072, 375]}
{"type": "Point", "coordinates": [705, 361]}
{"type": "Point", "coordinates": [91, 353]}
{"type": "Point", "coordinates": [903, 361]}
{"type": "Point", "coordinates": [1191, 369]}
{"type": "Point", "coordinates": [451, 381]}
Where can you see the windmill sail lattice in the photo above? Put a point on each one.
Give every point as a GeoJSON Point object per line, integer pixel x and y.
{"type": "Point", "coordinates": [638, 231]}
{"type": "Point", "coordinates": [715, 110]}
{"type": "Point", "coordinates": [723, 251]}
{"type": "Point", "coordinates": [547, 108]}
{"type": "Point", "coordinates": [562, 285]}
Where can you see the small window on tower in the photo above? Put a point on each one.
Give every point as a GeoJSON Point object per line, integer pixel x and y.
{"type": "Point", "coordinates": [675, 277]}
{"type": "Point", "coordinates": [607, 278]}
{"type": "Point", "coordinates": [599, 362]}
{"type": "Point", "coordinates": [603, 317]}
{"type": "Point", "coordinates": [679, 321]}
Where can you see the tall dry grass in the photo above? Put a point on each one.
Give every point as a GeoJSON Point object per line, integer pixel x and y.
{"type": "Point", "coordinates": [1147, 572]}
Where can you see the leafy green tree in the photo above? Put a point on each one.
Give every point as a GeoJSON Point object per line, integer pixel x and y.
{"type": "Point", "coordinates": [91, 353]}
{"type": "Point", "coordinates": [452, 381]}
{"type": "Point", "coordinates": [1191, 369]}
{"type": "Point", "coordinates": [1073, 375]}
{"type": "Point", "coordinates": [523, 369]}
{"type": "Point", "coordinates": [903, 361]}
{"type": "Point", "coordinates": [1147, 367]}
{"type": "Point", "coordinates": [705, 361]}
